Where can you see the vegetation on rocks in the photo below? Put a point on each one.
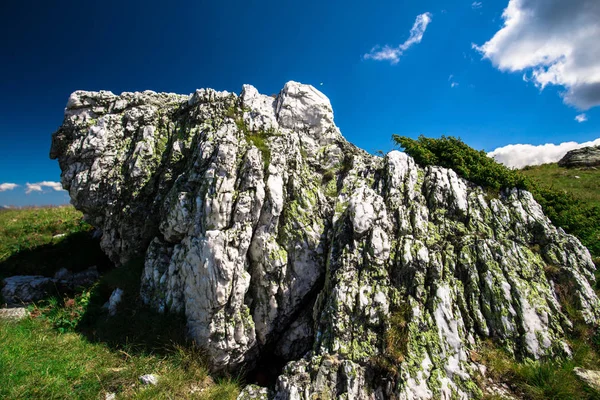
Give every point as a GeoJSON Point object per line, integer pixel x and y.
{"type": "Point", "coordinates": [576, 211]}
{"type": "Point", "coordinates": [571, 203]}
{"type": "Point", "coordinates": [69, 348]}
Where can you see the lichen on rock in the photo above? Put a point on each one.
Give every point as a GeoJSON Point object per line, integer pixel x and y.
{"type": "Point", "coordinates": [274, 235]}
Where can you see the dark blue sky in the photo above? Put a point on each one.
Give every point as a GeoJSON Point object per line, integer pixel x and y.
{"type": "Point", "coordinates": [51, 50]}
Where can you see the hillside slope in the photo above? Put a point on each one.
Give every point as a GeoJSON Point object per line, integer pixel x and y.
{"type": "Point", "coordinates": [583, 183]}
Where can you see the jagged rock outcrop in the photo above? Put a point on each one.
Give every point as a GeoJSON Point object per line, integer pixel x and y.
{"type": "Point", "coordinates": [584, 157]}
{"type": "Point", "coordinates": [277, 237]}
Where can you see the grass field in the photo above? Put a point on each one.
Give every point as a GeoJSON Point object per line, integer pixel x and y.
{"type": "Point", "coordinates": [69, 348]}
{"type": "Point", "coordinates": [37, 362]}
{"type": "Point", "coordinates": [582, 183]}
{"type": "Point", "coordinates": [40, 241]}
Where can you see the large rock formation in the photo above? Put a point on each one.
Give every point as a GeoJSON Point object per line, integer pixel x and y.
{"type": "Point", "coordinates": [584, 157]}
{"type": "Point", "coordinates": [372, 277]}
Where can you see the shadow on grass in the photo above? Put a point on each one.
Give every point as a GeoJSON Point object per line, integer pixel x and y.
{"type": "Point", "coordinates": [75, 252]}
{"type": "Point", "coordinates": [136, 328]}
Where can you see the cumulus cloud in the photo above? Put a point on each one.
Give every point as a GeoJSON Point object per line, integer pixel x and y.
{"type": "Point", "coordinates": [476, 5]}
{"type": "Point", "coordinates": [39, 186]}
{"type": "Point", "coordinates": [392, 54]}
{"type": "Point", "coordinates": [521, 155]}
{"type": "Point", "coordinates": [555, 42]}
{"type": "Point", "coordinates": [581, 118]}
{"type": "Point", "coordinates": [7, 186]}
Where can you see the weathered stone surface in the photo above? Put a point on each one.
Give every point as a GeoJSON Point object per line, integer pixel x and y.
{"type": "Point", "coordinates": [254, 392]}
{"type": "Point", "coordinates": [15, 313]}
{"type": "Point", "coordinates": [29, 288]}
{"type": "Point", "coordinates": [77, 279]}
{"type": "Point", "coordinates": [590, 377]}
{"type": "Point", "coordinates": [276, 236]}
{"type": "Point", "coordinates": [584, 157]}
{"type": "Point", "coordinates": [149, 379]}
{"type": "Point", "coordinates": [26, 288]}
{"type": "Point", "coordinates": [113, 302]}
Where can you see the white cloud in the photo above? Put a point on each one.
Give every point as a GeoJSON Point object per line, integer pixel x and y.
{"type": "Point", "coordinates": [453, 84]}
{"type": "Point", "coordinates": [38, 187]}
{"type": "Point", "coordinates": [476, 5]}
{"type": "Point", "coordinates": [521, 155]}
{"type": "Point", "coordinates": [556, 42]}
{"type": "Point", "coordinates": [581, 118]}
{"type": "Point", "coordinates": [7, 186]}
{"type": "Point", "coordinates": [392, 54]}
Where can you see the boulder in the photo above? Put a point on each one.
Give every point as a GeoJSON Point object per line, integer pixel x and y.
{"type": "Point", "coordinates": [584, 157]}
{"type": "Point", "coordinates": [279, 240]}
{"type": "Point", "coordinates": [27, 288]}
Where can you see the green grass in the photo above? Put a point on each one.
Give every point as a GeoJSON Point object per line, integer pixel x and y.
{"type": "Point", "coordinates": [38, 362]}
{"type": "Point", "coordinates": [586, 187]}
{"type": "Point", "coordinates": [28, 245]}
{"type": "Point", "coordinates": [69, 348]}
{"type": "Point", "coordinates": [543, 379]}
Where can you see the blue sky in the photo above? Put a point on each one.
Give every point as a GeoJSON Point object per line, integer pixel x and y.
{"type": "Point", "coordinates": [50, 51]}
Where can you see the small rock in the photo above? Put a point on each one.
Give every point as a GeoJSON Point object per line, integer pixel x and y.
{"type": "Point", "coordinates": [60, 235]}
{"type": "Point", "coordinates": [26, 288]}
{"type": "Point", "coordinates": [148, 379]}
{"type": "Point", "coordinates": [16, 313]}
{"type": "Point", "coordinates": [110, 396]}
{"type": "Point", "coordinates": [113, 301]}
{"type": "Point", "coordinates": [590, 377]}
{"type": "Point", "coordinates": [254, 392]}
{"type": "Point", "coordinates": [577, 177]}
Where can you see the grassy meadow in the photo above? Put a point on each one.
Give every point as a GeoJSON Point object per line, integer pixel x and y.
{"type": "Point", "coordinates": [69, 348]}
{"type": "Point", "coordinates": [582, 183]}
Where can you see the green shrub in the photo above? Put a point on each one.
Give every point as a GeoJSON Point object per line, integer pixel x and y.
{"type": "Point", "coordinates": [64, 314]}
{"type": "Point", "coordinates": [574, 215]}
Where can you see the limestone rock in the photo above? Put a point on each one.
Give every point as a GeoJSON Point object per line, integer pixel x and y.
{"type": "Point", "coordinates": [113, 302]}
{"type": "Point", "coordinates": [77, 279]}
{"type": "Point", "coordinates": [15, 313]}
{"type": "Point", "coordinates": [254, 392]}
{"type": "Point", "coordinates": [584, 157]}
{"type": "Point", "coordinates": [26, 288]}
{"type": "Point", "coordinates": [590, 377]}
{"type": "Point", "coordinates": [149, 379]}
{"type": "Point", "coordinates": [29, 288]}
{"type": "Point", "coordinates": [277, 237]}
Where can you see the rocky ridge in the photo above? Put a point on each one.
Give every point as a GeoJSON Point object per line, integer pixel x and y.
{"type": "Point", "coordinates": [372, 278]}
